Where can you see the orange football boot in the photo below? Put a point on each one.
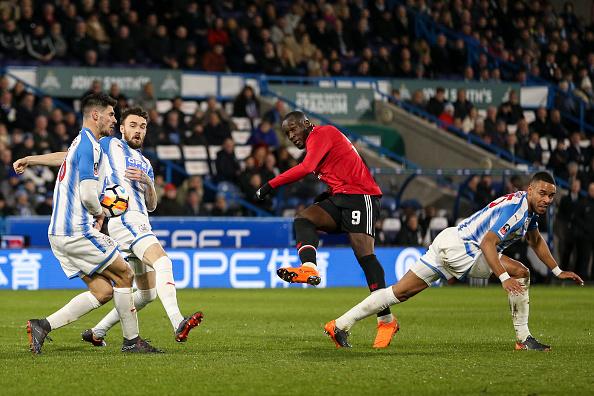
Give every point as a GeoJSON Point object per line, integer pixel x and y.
{"type": "Point", "coordinates": [385, 332]}
{"type": "Point", "coordinates": [340, 337]}
{"type": "Point", "coordinates": [302, 274]}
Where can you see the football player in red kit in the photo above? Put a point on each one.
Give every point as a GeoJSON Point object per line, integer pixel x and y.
{"type": "Point", "coordinates": [351, 205]}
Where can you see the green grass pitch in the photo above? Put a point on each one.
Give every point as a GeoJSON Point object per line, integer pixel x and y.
{"type": "Point", "coordinates": [454, 340]}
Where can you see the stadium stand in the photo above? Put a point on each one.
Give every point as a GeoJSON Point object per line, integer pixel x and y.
{"type": "Point", "coordinates": [463, 41]}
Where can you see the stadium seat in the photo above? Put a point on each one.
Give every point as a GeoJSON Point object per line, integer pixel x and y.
{"type": "Point", "coordinates": [242, 123]}
{"type": "Point", "coordinates": [242, 152]}
{"type": "Point", "coordinates": [197, 168]}
{"type": "Point", "coordinates": [552, 144]}
{"type": "Point", "coordinates": [436, 225]}
{"type": "Point", "coordinates": [546, 156]}
{"type": "Point", "coordinates": [240, 137]}
{"type": "Point", "coordinates": [195, 153]}
{"type": "Point", "coordinates": [391, 227]}
{"type": "Point", "coordinates": [212, 152]}
{"type": "Point", "coordinates": [170, 152]}
{"type": "Point", "coordinates": [529, 116]}
{"type": "Point", "coordinates": [163, 106]}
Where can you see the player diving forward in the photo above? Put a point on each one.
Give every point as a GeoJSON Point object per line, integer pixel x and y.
{"type": "Point", "coordinates": [351, 206]}
{"type": "Point", "coordinates": [132, 231]}
{"type": "Point", "coordinates": [473, 248]}
{"type": "Point", "coordinates": [81, 249]}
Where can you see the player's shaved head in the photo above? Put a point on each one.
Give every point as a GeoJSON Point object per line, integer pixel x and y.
{"type": "Point", "coordinates": [295, 116]}
{"type": "Point", "coordinates": [542, 176]}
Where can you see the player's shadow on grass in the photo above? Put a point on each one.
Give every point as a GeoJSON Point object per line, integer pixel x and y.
{"type": "Point", "coordinates": [360, 353]}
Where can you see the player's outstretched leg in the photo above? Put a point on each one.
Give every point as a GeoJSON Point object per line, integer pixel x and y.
{"type": "Point", "coordinates": [363, 247]}
{"type": "Point", "coordinates": [520, 307]}
{"type": "Point", "coordinates": [146, 292]}
{"type": "Point", "coordinates": [96, 335]}
{"type": "Point", "coordinates": [38, 329]}
{"type": "Point", "coordinates": [155, 256]}
{"type": "Point", "coordinates": [408, 286]}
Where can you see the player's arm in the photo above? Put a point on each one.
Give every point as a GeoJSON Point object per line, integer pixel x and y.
{"type": "Point", "coordinates": [52, 159]}
{"type": "Point", "coordinates": [317, 147]}
{"type": "Point", "coordinates": [489, 248]}
{"type": "Point", "coordinates": [88, 178]}
{"type": "Point", "coordinates": [150, 194]}
{"type": "Point", "coordinates": [540, 247]}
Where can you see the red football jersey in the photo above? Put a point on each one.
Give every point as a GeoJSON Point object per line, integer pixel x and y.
{"type": "Point", "coordinates": [335, 161]}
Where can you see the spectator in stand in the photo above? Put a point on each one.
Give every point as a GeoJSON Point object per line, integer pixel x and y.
{"type": "Point", "coordinates": [510, 110]}
{"type": "Point", "coordinates": [436, 104]}
{"type": "Point", "coordinates": [216, 131]}
{"type": "Point", "coordinates": [215, 60]}
{"type": "Point", "coordinates": [176, 107]}
{"type": "Point", "coordinates": [169, 205]}
{"type": "Point", "coordinates": [46, 206]}
{"type": "Point", "coordinates": [440, 55]}
{"type": "Point", "coordinates": [22, 204]}
{"type": "Point", "coordinates": [194, 205]}
{"type": "Point", "coordinates": [147, 99]}
{"type": "Point", "coordinates": [540, 125]}
{"type": "Point", "coordinates": [447, 117]}
{"type": "Point", "coordinates": [196, 136]}
{"type": "Point", "coordinates": [220, 207]}
{"type": "Point", "coordinates": [417, 99]}
{"type": "Point", "coordinates": [469, 122]}
{"type": "Point", "coordinates": [533, 150]}
{"type": "Point", "coordinates": [512, 145]}
{"type": "Point", "coordinates": [575, 152]}
{"type": "Point", "coordinates": [410, 234]}
{"type": "Point", "coordinates": [564, 227]}
{"type": "Point", "coordinates": [12, 41]}
{"type": "Point", "coordinates": [40, 45]}
{"type": "Point", "coordinates": [559, 160]}
{"type": "Point", "coordinates": [227, 165]}
{"type": "Point", "coordinates": [485, 193]}
{"type": "Point", "coordinates": [172, 131]}
{"type": "Point", "coordinates": [264, 134]}
{"type": "Point", "coordinates": [25, 113]}
{"type": "Point", "coordinates": [499, 138]}
{"type": "Point", "coordinates": [246, 104]}
{"type": "Point", "coordinates": [462, 106]}
{"type": "Point", "coordinates": [556, 128]}
{"type": "Point", "coordinates": [269, 170]}
{"type": "Point", "coordinates": [584, 232]}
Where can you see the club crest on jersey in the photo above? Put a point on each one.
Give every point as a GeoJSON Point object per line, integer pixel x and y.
{"type": "Point", "coordinates": [504, 230]}
{"type": "Point", "coordinates": [133, 162]}
{"type": "Point", "coordinates": [96, 169]}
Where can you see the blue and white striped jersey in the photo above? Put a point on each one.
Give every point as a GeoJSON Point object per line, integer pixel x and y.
{"type": "Point", "coordinates": [83, 162]}
{"type": "Point", "coordinates": [121, 156]}
{"type": "Point", "coordinates": [507, 216]}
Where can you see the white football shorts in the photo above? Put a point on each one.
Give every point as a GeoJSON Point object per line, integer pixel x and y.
{"type": "Point", "coordinates": [84, 254]}
{"type": "Point", "coordinates": [133, 233]}
{"type": "Point", "coordinates": [450, 257]}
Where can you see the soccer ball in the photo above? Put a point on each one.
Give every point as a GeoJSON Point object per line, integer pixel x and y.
{"type": "Point", "coordinates": [114, 200]}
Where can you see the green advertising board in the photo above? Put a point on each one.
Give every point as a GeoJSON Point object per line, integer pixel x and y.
{"type": "Point", "coordinates": [73, 82]}
{"type": "Point", "coordinates": [482, 95]}
{"type": "Point", "coordinates": [335, 103]}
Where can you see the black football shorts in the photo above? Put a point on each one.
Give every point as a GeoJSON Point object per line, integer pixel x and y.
{"type": "Point", "coordinates": [353, 213]}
